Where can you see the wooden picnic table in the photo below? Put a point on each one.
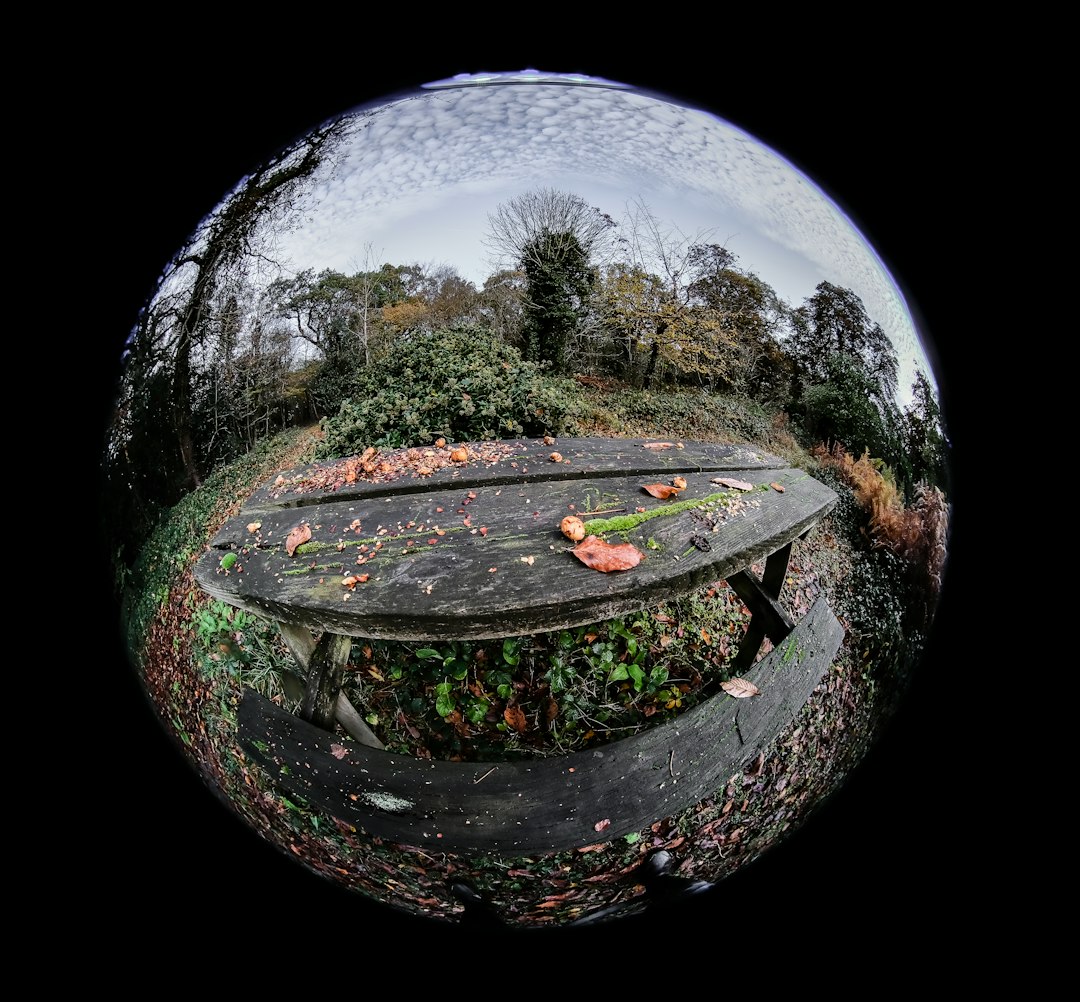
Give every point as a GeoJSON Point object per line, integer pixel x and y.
{"type": "Point", "coordinates": [464, 541]}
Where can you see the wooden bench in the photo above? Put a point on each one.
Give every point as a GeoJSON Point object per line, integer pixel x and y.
{"type": "Point", "coordinates": [464, 542]}
{"type": "Point", "coordinates": [545, 804]}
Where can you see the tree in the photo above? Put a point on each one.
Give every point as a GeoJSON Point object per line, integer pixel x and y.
{"type": "Point", "coordinates": [924, 435]}
{"type": "Point", "coordinates": [171, 338]}
{"type": "Point", "coordinates": [501, 306]}
{"type": "Point", "coordinates": [751, 312]}
{"type": "Point", "coordinates": [652, 303]}
{"type": "Point", "coordinates": [343, 318]}
{"type": "Point", "coordinates": [554, 237]}
{"type": "Point", "coordinates": [434, 296]}
{"type": "Point", "coordinates": [834, 321]}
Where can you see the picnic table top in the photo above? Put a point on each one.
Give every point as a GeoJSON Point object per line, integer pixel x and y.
{"type": "Point", "coordinates": [463, 540]}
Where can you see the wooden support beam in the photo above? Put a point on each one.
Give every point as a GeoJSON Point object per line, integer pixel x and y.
{"type": "Point", "coordinates": [768, 618]}
{"type": "Point", "coordinates": [302, 645]}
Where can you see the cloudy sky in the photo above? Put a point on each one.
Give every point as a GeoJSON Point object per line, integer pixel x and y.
{"type": "Point", "coordinates": [421, 174]}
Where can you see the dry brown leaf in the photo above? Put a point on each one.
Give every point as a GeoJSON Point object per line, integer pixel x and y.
{"type": "Point", "coordinates": [777, 487]}
{"type": "Point", "coordinates": [738, 485]}
{"type": "Point", "coordinates": [556, 457]}
{"type": "Point", "coordinates": [661, 491]}
{"type": "Point", "coordinates": [460, 455]}
{"type": "Point", "coordinates": [440, 443]}
{"type": "Point", "coordinates": [740, 688]}
{"type": "Point", "coordinates": [515, 717]}
{"type": "Point", "coordinates": [601, 825]}
{"type": "Point", "coordinates": [680, 482]}
{"type": "Point", "coordinates": [593, 552]}
{"type": "Point", "coordinates": [254, 526]}
{"type": "Point", "coordinates": [658, 445]}
{"type": "Point", "coordinates": [297, 535]}
{"type": "Point", "coordinates": [338, 751]}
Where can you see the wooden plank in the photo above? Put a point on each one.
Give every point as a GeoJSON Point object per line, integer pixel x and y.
{"type": "Point", "coordinates": [549, 804]}
{"type": "Point", "coordinates": [490, 561]}
{"type": "Point", "coordinates": [498, 463]}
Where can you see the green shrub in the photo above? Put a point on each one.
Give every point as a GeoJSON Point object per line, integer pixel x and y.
{"type": "Point", "coordinates": [461, 384]}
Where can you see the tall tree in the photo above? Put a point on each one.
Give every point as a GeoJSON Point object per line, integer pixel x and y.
{"type": "Point", "coordinates": [555, 238]}
{"type": "Point", "coordinates": [172, 330]}
{"type": "Point", "coordinates": [834, 321]}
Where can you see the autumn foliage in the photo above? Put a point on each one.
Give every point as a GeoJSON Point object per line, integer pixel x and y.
{"type": "Point", "coordinates": [918, 534]}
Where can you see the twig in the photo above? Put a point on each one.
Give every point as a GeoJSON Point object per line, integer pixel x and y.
{"type": "Point", "coordinates": [486, 774]}
{"type": "Point", "coordinates": [671, 758]}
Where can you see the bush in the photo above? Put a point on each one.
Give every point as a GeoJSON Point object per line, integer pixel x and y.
{"type": "Point", "coordinates": [461, 384]}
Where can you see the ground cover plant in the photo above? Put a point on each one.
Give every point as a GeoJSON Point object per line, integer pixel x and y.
{"type": "Point", "coordinates": [537, 695]}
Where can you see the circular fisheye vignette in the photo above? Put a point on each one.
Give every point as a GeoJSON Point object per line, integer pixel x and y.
{"type": "Point", "coordinates": [236, 631]}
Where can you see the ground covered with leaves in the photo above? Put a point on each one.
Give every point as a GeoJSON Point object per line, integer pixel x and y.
{"type": "Point", "coordinates": [537, 695]}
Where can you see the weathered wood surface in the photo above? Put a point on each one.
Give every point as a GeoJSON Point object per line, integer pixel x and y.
{"type": "Point", "coordinates": [475, 551]}
{"type": "Point", "coordinates": [549, 804]}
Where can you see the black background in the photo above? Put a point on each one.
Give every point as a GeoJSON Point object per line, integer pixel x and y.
{"type": "Point", "coordinates": [885, 857]}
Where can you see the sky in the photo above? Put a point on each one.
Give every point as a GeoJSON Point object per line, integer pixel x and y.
{"type": "Point", "coordinates": [421, 173]}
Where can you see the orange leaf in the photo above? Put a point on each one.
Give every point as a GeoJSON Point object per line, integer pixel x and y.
{"type": "Point", "coordinates": [740, 688]}
{"type": "Point", "coordinates": [776, 487]}
{"type": "Point", "coordinates": [297, 535]}
{"type": "Point", "coordinates": [658, 445]}
{"type": "Point", "coordinates": [515, 717]}
{"type": "Point", "coordinates": [661, 491]}
{"type": "Point", "coordinates": [593, 552]}
{"type": "Point", "coordinates": [738, 485]}
{"type": "Point", "coordinates": [680, 482]}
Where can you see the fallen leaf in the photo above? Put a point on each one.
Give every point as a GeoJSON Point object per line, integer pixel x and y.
{"type": "Point", "coordinates": [338, 751]}
{"type": "Point", "coordinates": [350, 581]}
{"type": "Point", "coordinates": [680, 482]}
{"type": "Point", "coordinates": [440, 443]}
{"type": "Point", "coordinates": [661, 491]}
{"type": "Point", "coordinates": [740, 688]}
{"type": "Point", "coordinates": [777, 487]}
{"type": "Point", "coordinates": [460, 455]}
{"type": "Point", "coordinates": [738, 485]}
{"type": "Point", "coordinates": [548, 440]}
{"type": "Point", "coordinates": [593, 552]}
{"type": "Point", "coordinates": [556, 457]}
{"type": "Point", "coordinates": [601, 825]}
{"type": "Point", "coordinates": [254, 526]}
{"type": "Point", "coordinates": [528, 560]}
{"type": "Point", "coordinates": [297, 535]}
{"type": "Point", "coordinates": [658, 445]}
{"type": "Point", "coordinates": [515, 717]}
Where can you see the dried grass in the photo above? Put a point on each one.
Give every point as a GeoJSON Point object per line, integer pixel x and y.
{"type": "Point", "coordinates": [917, 534]}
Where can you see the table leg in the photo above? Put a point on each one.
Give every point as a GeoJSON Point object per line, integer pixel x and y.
{"type": "Point", "coordinates": [767, 619]}
{"type": "Point", "coordinates": [302, 646]}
